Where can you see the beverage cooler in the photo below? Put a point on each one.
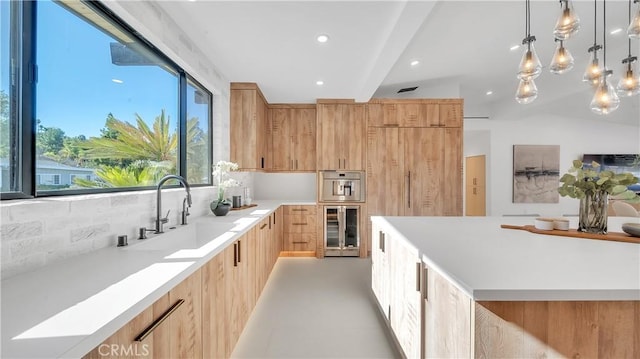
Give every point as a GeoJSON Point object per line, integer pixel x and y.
{"type": "Point", "coordinates": [341, 231]}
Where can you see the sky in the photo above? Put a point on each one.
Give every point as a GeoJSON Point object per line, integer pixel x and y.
{"type": "Point", "coordinates": [76, 88]}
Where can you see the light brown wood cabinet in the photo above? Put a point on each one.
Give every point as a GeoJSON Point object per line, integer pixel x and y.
{"type": "Point", "coordinates": [177, 335]}
{"type": "Point", "coordinates": [249, 128]}
{"type": "Point", "coordinates": [414, 171]}
{"type": "Point", "coordinates": [300, 230]}
{"type": "Point", "coordinates": [341, 132]}
{"type": "Point", "coordinates": [293, 138]}
{"type": "Point", "coordinates": [415, 113]}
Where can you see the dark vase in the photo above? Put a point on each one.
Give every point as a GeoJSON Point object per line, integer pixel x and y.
{"type": "Point", "coordinates": [593, 213]}
{"type": "Point", "coordinates": [220, 208]}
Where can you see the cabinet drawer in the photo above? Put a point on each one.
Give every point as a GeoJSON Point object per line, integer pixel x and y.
{"type": "Point", "coordinates": [300, 241]}
{"type": "Point", "coordinates": [299, 210]}
{"type": "Point", "coordinates": [300, 224]}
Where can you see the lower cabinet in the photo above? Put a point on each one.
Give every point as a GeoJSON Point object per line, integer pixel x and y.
{"type": "Point", "coordinates": [170, 328]}
{"type": "Point", "coordinates": [300, 230]}
{"type": "Point", "coordinates": [204, 315]}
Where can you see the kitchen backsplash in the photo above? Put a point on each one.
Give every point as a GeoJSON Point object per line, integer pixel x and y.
{"type": "Point", "coordinates": [41, 231]}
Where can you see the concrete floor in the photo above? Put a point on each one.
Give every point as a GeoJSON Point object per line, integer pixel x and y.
{"type": "Point", "coordinates": [314, 308]}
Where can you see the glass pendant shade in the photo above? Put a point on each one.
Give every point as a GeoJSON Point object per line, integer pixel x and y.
{"type": "Point", "coordinates": [530, 66]}
{"type": "Point", "coordinates": [605, 100]}
{"type": "Point", "coordinates": [527, 91]}
{"type": "Point", "coordinates": [629, 84]}
{"type": "Point", "coordinates": [634, 27]}
{"type": "Point", "coordinates": [568, 23]}
{"type": "Point", "coordinates": [562, 60]}
{"type": "Point", "coordinates": [593, 71]}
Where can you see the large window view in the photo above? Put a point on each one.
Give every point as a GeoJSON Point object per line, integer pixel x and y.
{"type": "Point", "coordinates": [107, 107]}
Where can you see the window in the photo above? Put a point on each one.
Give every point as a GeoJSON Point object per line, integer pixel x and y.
{"type": "Point", "coordinates": [108, 106]}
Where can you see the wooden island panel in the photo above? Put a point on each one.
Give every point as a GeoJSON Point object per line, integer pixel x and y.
{"type": "Point", "coordinates": [548, 329]}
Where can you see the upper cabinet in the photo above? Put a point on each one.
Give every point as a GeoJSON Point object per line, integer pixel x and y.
{"type": "Point", "coordinates": [293, 137]}
{"type": "Point", "coordinates": [415, 113]}
{"type": "Point", "coordinates": [249, 128]}
{"type": "Point", "coordinates": [341, 135]}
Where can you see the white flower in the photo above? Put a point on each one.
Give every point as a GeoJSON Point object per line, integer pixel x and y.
{"type": "Point", "coordinates": [221, 173]}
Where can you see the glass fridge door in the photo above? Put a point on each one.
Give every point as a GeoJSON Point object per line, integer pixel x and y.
{"type": "Point", "coordinates": [332, 231]}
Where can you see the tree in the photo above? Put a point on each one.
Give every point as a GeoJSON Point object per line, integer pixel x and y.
{"type": "Point", "coordinates": [49, 140]}
{"type": "Point", "coordinates": [135, 142]}
{"type": "Point", "coordinates": [133, 176]}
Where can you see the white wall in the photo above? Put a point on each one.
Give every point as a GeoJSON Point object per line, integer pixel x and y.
{"type": "Point", "coordinates": [575, 137]}
{"type": "Point", "coordinates": [37, 232]}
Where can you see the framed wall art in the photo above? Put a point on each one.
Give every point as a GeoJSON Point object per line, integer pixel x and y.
{"type": "Point", "coordinates": [536, 173]}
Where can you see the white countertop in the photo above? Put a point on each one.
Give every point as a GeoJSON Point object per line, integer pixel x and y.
{"type": "Point", "coordinates": [491, 263]}
{"type": "Point", "coordinates": [68, 308]}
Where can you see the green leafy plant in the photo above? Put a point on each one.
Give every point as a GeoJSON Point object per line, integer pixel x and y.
{"type": "Point", "coordinates": [581, 182]}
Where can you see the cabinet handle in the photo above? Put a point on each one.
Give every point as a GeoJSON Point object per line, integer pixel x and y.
{"type": "Point", "coordinates": [299, 209]}
{"type": "Point", "coordinates": [426, 283]}
{"type": "Point", "coordinates": [474, 190]}
{"type": "Point", "coordinates": [239, 251]}
{"type": "Point", "coordinates": [296, 242]}
{"type": "Point", "coordinates": [391, 125]}
{"type": "Point", "coordinates": [296, 164]}
{"type": "Point", "coordinates": [475, 181]}
{"type": "Point", "coordinates": [299, 224]}
{"type": "Point", "coordinates": [381, 244]}
{"type": "Point", "coordinates": [262, 226]}
{"type": "Point", "coordinates": [235, 254]}
{"type": "Point", "coordinates": [145, 333]}
{"type": "Point", "coordinates": [418, 270]}
{"type": "Point", "coordinates": [262, 162]}
{"type": "Point", "coordinates": [409, 198]}
{"type": "Point", "coordinates": [270, 221]}
{"type": "Point", "coordinates": [291, 164]}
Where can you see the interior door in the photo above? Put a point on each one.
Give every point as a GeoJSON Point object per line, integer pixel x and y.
{"type": "Point", "coordinates": [424, 171]}
{"type": "Point", "coordinates": [475, 191]}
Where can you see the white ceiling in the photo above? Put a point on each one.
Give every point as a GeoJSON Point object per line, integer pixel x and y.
{"type": "Point", "coordinates": [462, 46]}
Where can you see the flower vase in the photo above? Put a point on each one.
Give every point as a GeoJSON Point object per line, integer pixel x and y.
{"type": "Point", "coordinates": [220, 208]}
{"type": "Point", "coordinates": [593, 213]}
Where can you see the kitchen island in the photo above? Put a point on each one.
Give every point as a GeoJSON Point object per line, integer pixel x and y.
{"type": "Point", "coordinates": [464, 287]}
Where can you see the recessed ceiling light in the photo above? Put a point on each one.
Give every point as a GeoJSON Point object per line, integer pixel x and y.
{"type": "Point", "coordinates": [616, 31]}
{"type": "Point", "coordinates": [322, 38]}
{"type": "Point", "coordinates": [415, 63]}
{"type": "Point", "coordinates": [514, 47]}
{"type": "Point", "coordinates": [489, 92]}
{"type": "Point", "coordinates": [117, 81]}
{"type": "Point", "coordinates": [319, 82]}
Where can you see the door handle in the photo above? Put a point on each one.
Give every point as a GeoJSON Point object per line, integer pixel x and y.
{"type": "Point", "coordinates": [474, 190]}
{"type": "Point", "coordinates": [239, 251]}
{"type": "Point", "coordinates": [418, 270]}
{"type": "Point", "coordinates": [296, 164]}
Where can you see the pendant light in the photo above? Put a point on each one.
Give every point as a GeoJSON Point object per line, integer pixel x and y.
{"type": "Point", "coordinates": [605, 100]}
{"type": "Point", "coordinates": [634, 26]}
{"type": "Point", "coordinates": [629, 83]}
{"type": "Point", "coordinates": [527, 91]}
{"type": "Point", "coordinates": [593, 72]}
{"type": "Point", "coordinates": [562, 60]}
{"type": "Point", "coordinates": [530, 66]}
{"type": "Point", "coordinates": [568, 23]}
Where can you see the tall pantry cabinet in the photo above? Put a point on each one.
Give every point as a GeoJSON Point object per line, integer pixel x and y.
{"type": "Point", "coordinates": [414, 157]}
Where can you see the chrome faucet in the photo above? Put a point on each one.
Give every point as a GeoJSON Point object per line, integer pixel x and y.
{"type": "Point", "coordinates": [159, 220]}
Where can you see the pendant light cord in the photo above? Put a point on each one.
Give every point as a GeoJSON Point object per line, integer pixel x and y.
{"type": "Point", "coordinates": [604, 33]}
{"type": "Point", "coordinates": [595, 23]}
{"type": "Point", "coordinates": [629, 23]}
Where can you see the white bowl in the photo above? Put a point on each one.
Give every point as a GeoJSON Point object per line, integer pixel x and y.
{"type": "Point", "coordinates": [561, 224]}
{"type": "Point", "coordinates": [545, 224]}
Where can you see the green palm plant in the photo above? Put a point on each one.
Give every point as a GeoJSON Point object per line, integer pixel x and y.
{"type": "Point", "coordinates": [132, 176]}
{"type": "Point", "coordinates": [138, 142]}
